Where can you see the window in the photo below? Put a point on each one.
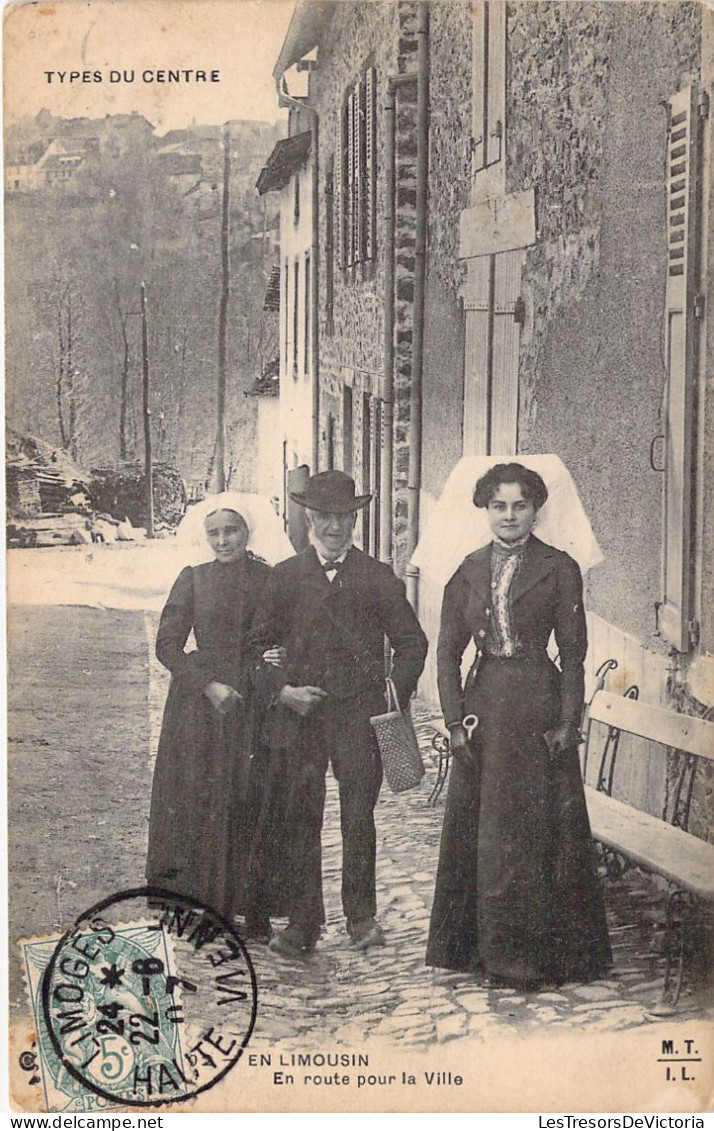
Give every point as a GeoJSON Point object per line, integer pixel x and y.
{"type": "Point", "coordinates": [286, 316]}
{"type": "Point", "coordinates": [376, 478]}
{"type": "Point", "coordinates": [330, 442]}
{"type": "Point", "coordinates": [296, 315]}
{"type": "Point", "coordinates": [307, 307]}
{"type": "Point", "coordinates": [682, 311]}
{"type": "Point", "coordinates": [296, 199]}
{"type": "Point", "coordinates": [488, 138]}
{"type": "Point", "coordinates": [494, 314]}
{"type": "Point", "coordinates": [366, 484]}
{"type": "Point", "coordinates": [356, 173]}
{"type": "Point", "coordinates": [347, 433]}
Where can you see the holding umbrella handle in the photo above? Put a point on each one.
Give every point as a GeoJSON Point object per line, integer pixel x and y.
{"type": "Point", "coordinates": [469, 723]}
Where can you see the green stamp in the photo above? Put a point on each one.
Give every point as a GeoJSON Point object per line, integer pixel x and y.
{"type": "Point", "coordinates": [149, 999]}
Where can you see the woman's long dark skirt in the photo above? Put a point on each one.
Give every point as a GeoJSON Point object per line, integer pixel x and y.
{"type": "Point", "coordinates": [517, 894]}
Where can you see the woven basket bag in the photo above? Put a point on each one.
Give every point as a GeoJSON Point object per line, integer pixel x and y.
{"type": "Point", "coordinates": [398, 746]}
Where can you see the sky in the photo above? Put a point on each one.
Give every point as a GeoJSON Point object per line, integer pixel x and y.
{"type": "Point", "coordinates": [239, 39]}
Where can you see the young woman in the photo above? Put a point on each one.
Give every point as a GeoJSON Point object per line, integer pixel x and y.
{"type": "Point", "coordinates": [517, 897]}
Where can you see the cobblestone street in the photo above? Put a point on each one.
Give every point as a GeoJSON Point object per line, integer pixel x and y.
{"type": "Point", "coordinates": [341, 996]}
{"type": "Point", "coordinates": [89, 780]}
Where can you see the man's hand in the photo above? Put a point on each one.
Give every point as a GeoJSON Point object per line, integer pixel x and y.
{"type": "Point", "coordinates": [461, 747]}
{"type": "Point", "coordinates": [276, 657]}
{"type": "Point", "coordinates": [223, 697]}
{"type": "Point", "coordinates": [302, 700]}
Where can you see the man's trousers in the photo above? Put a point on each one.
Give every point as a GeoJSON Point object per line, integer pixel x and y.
{"type": "Point", "coordinates": [337, 732]}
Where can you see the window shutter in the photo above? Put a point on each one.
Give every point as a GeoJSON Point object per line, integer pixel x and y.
{"type": "Point", "coordinates": [496, 93]}
{"type": "Point", "coordinates": [296, 316]}
{"type": "Point", "coordinates": [286, 318]}
{"type": "Point", "coordinates": [477, 358]}
{"type": "Point", "coordinates": [488, 85]}
{"type": "Point", "coordinates": [360, 178]}
{"type": "Point", "coordinates": [356, 171]}
{"type": "Point", "coordinates": [370, 210]}
{"type": "Point", "coordinates": [479, 84]}
{"type": "Point", "coordinates": [340, 180]}
{"type": "Point", "coordinates": [506, 342]}
{"type": "Point", "coordinates": [350, 225]}
{"type": "Point", "coordinates": [680, 356]}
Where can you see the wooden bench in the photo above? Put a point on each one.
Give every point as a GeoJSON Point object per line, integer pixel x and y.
{"type": "Point", "coordinates": [662, 846]}
{"type": "Point", "coordinates": [441, 739]}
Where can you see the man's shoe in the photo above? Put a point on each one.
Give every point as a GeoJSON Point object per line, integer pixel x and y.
{"type": "Point", "coordinates": [294, 942]}
{"type": "Point", "coordinates": [257, 931]}
{"type": "Point", "coordinates": [365, 933]}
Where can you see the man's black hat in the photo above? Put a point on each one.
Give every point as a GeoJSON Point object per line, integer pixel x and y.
{"type": "Point", "coordinates": [330, 492]}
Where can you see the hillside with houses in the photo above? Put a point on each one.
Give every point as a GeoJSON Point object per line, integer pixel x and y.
{"type": "Point", "coordinates": [95, 207]}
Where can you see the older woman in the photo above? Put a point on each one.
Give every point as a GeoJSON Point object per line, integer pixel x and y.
{"type": "Point", "coordinates": [517, 897]}
{"type": "Point", "coordinates": [207, 806]}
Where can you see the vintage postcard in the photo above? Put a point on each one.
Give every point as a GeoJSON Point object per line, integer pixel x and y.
{"type": "Point", "coordinates": [349, 339]}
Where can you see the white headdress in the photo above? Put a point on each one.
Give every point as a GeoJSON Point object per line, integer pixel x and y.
{"type": "Point", "coordinates": [456, 527]}
{"type": "Point", "coordinates": [266, 537]}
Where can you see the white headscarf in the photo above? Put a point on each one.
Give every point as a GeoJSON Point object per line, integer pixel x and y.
{"type": "Point", "coordinates": [456, 527]}
{"type": "Point", "coordinates": [266, 537]}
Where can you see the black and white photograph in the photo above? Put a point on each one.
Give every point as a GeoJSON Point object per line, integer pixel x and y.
{"type": "Point", "coordinates": [360, 547]}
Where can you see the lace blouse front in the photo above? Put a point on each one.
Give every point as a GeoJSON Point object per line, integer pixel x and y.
{"type": "Point", "coordinates": [506, 561]}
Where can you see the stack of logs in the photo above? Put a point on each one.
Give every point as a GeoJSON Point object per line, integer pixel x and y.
{"type": "Point", "coordinates": [51, 501]}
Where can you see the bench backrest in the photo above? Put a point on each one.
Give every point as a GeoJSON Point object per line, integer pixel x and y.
{"type": "Point", "coordinates": [679, 732]}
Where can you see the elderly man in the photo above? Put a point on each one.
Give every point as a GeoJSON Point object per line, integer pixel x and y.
{"type": "Point", "coordinates": [330, 608]}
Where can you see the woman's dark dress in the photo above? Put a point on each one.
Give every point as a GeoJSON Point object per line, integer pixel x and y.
{"type": "Point", "coordinates": [207, 829]}
{"type": "Point", "coordinates": [517, 894]}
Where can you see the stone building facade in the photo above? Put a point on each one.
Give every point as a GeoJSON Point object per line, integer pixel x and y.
{"type": "Point", "coordinates": [568, 241]}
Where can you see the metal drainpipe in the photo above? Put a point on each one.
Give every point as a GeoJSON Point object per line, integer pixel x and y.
{"type": "Point", "coordinates": [387, 450]}
{"type": "Point", "coordinates": [415, 408]}
{"type": "Point", "coordinates": [285, 99]}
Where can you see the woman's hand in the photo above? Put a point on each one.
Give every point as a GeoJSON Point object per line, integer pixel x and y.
{"type": "Point", "coordinates": [565, 736]}
{"type": "Point", "coordinates": [276, 657]}
{"type": "Point", "coordinates": [223, 697]}
{"type": "Point", "coordinates": [461, 747]}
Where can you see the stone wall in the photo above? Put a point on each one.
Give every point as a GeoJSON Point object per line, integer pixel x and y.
{"type": "Point", "coordinates": [449, 187]}
{"type": "Point", "coordinates": [586, 128]}
{"type": "Point", "coordinates": [352, 348]}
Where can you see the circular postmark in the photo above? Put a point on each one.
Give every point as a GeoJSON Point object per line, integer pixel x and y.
{"type": "Point", "coordinates": [150, 998]}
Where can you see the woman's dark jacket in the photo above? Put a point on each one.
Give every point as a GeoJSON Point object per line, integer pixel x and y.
{"type": "Point", "coordinates": [547, 594]}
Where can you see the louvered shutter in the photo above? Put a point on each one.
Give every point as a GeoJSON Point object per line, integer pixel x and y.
{"type": "Point", "coordinates": [340, 180]}
{"type": "Point", "coordinates": [370, 199]}
{"type": "Point", "coordinates": [356, 171]}
{"type": "Point", "coordinates": [680, 356]}
{"type": "Point", "coordinates": [350, 224]}
{"type": "Point", "coordinates": [361, 143]}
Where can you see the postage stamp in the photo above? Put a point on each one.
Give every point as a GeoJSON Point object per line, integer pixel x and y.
{"type": "Point", "coordinates": [149, 999]}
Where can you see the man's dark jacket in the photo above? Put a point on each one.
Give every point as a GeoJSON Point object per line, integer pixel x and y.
{"type": "Point", "coordinates": [333, 632]}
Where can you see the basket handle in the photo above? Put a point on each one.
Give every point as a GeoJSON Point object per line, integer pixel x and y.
{"type": "Point", "coordinates": [392, 701]}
